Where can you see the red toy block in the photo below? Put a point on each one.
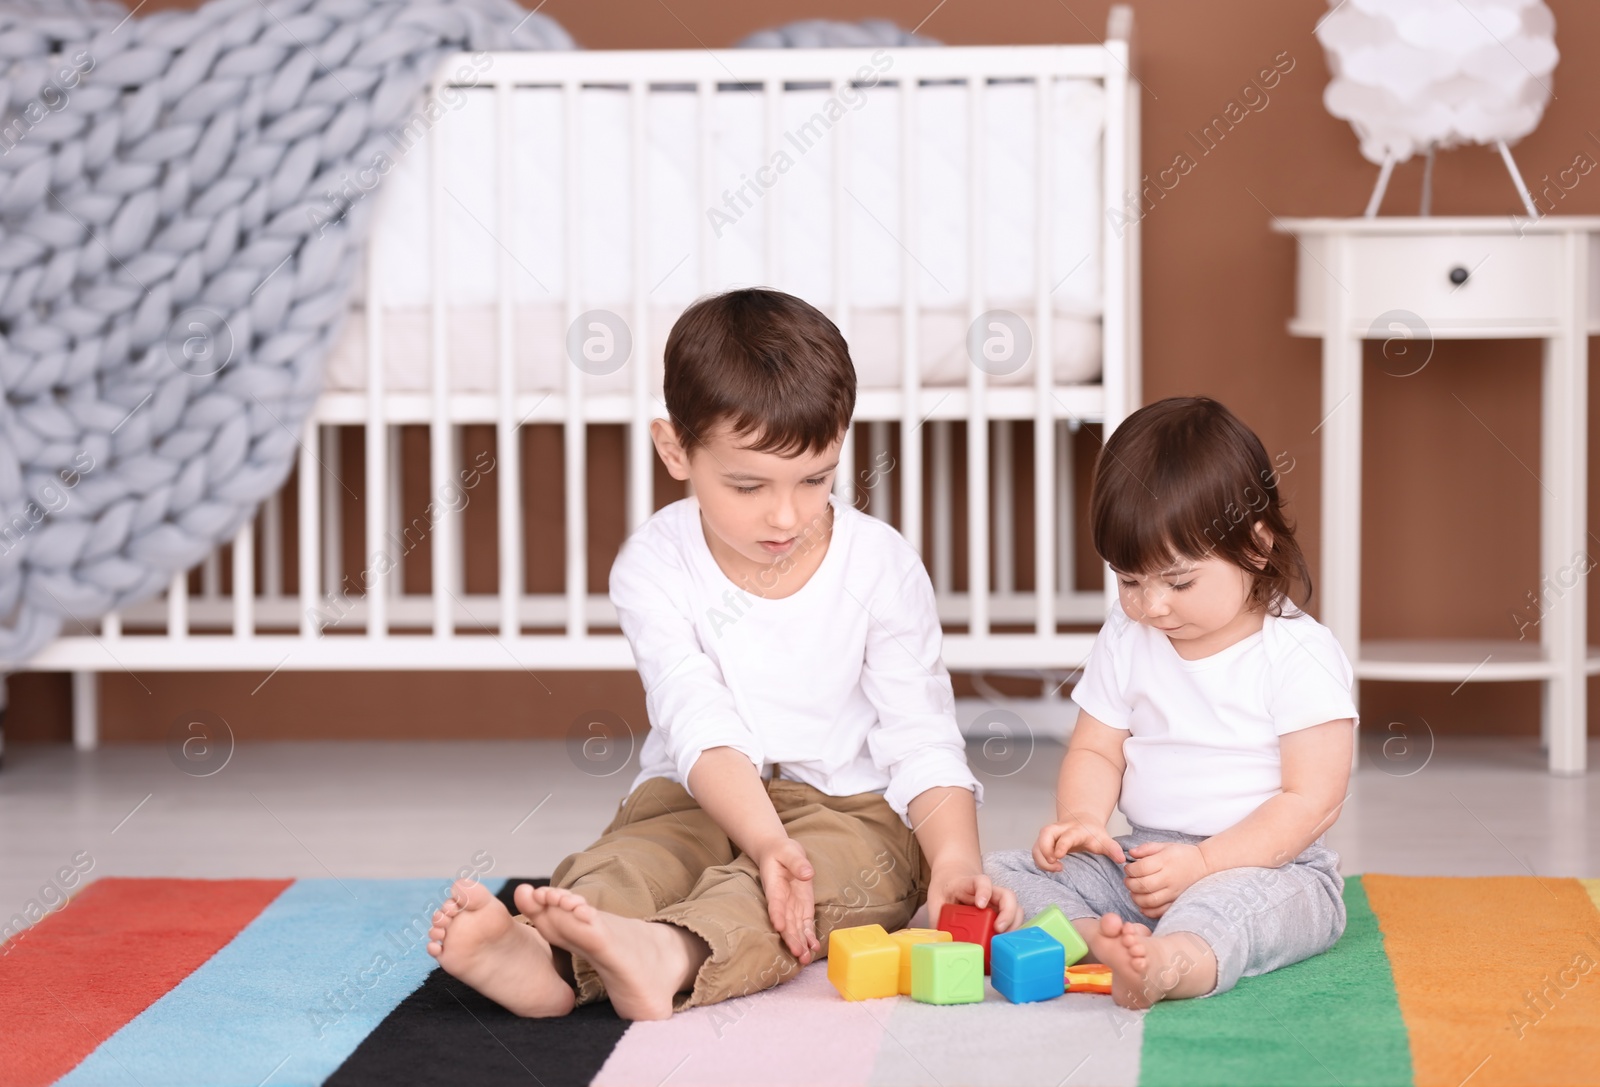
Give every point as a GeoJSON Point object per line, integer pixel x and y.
{"type": "Point", "coordinates": [969, 925]}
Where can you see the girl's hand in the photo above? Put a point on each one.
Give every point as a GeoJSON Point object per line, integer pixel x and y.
{"type": "Point", "coordinates": [786, 875]}
{"type": "Point", "coordinates": [951, 884]}
{"type": "Point", "coordinates": [1160, 872]}
{"type": "Point", "coordinates": [1059, 839]}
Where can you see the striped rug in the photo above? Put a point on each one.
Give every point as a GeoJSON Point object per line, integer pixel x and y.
{"type": "Point", "coordinates": [269, 983]}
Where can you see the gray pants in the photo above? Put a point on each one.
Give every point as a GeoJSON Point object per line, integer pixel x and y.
{"type": "Point", "coordinates": [1254, 919]}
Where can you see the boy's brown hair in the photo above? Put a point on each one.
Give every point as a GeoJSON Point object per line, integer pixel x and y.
{"type": "Point", "coordinates": [1183, 478]}
{"type": "Point", "coordinates": [763, 363]}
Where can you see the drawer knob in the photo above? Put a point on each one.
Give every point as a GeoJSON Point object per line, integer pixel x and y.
{"type": "Point", "coordinates": [1458, 275]}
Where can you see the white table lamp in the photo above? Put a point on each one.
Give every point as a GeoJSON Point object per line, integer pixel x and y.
{"type": "Point", "coordinates": [1421, 75]}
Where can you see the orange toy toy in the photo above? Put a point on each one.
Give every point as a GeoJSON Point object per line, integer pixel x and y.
{"type": "Point", "coordinates": [1089, 978]}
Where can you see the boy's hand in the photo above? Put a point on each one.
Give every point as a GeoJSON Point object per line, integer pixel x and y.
{"type": "Point", "coordinates": [786, 876]}
{"type": "Point", "coordinates": [1059, 839]}
{"type": "Point", "coordinates": [1160, 872]}
{"type": "Point", "coordinates": [952, 884]}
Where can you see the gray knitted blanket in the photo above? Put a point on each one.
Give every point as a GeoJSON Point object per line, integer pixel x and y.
{"type": "Point", "coordinates": [178, 240]}
{"type": "Point", "coordinates": [179, 234]}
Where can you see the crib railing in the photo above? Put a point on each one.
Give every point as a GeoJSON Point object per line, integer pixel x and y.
{"type": "Point", "coordinates": [900, 448]}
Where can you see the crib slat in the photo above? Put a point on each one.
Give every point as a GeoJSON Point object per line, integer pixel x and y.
{"type": "Point", "coordinates": [332, 521]}
{"type": "Point", "coordinates": [878, 498]}
{"type": "Point", "coordinates": [1066, 510]}
{"type": "Point", "coordinates": [244, 580]}
{"type": "Point", "coordinates": [843, 132]}
{"type": "Point", "coordinates": [309, 531]}
{"type": "Point", "coordinates": [381, 496]}
{"type": "Point", "coordinates": [178, 605]}
{"type": "Point", "coordinates": [453, 491]}
{"type": "Point", "coordinates": [1004, 507]}
{"type": "Point", "coordinates": [1044, 425]}
{"type": "Point", "coordinates": [910, 362]}
{"type": "Point", "coordinates": [641, 453]}
{"type": "Point", "coordinates": [977, 379]}
{"type": "Point", "coordinates": [508, 435]}
{"type": "Point", "coordinates": [772, 213]}
{"type": "Point", "coordinates": [397, 575]}
{"type": "Point", "coordinates": [211, 575]}
{"type": "Point", "coordinates": [441, 442]}
{"type": "Point", "coordinates": [943, 531]}
{"type": "Point", "coordinates": [1117, 362]}
{"type": "Point", "coordinates": [573, 426]}
{"type": "Point", "coordinates": [272, 546]}
{"type": "Point", "coordinates": [845, 481]}
{"type": "Point", "coordinates": [705, 101]}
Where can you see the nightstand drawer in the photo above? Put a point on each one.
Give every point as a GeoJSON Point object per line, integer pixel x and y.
{"type": "Point", "coordinates": [1458, 281]}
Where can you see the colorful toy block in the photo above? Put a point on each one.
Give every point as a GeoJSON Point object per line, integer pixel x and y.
{"type": "Point", "coordinates": [969, 924]}
{"type": "Point", "coordinates": [863, 963]}
{"type": "Point", "coordinates": [908, 938]}
{"type": "Point", "coordinates": [1089, 978]}
{"type": "Point", "coordinates": [1029, 964]}
{"type": "Point", "coordinates": [947, 973]}
{"type": "Point", "coordinates": [1053, 921]}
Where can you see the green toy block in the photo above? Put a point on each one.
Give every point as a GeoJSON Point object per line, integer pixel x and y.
{"type": "Point", "coordinates": [947, 973]}
{"type": "Point", "coordinates": [1053, 921]}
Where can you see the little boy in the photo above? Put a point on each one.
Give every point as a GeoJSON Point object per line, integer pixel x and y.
{"type": "Point", "coordinates": [803, 771]}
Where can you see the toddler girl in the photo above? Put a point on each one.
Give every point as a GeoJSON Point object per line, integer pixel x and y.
{"type": "Point", "coordinates": [1213, 710]}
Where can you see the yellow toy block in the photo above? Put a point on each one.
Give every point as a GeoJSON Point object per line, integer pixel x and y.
{"type": "Point", "coordinates": [863, 963]}
{"type": "Point", "coordinates": [908, 938]}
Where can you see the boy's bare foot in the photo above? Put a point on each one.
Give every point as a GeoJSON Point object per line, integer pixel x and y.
{"type": "Point", "coordinates": [475, 938]}
{"type": "Point", "coordinates": [529, 903]}
{"type": "Point", "coordinates": [643, 964]}
{"type": "Point", "coordinates": [1146, 968]}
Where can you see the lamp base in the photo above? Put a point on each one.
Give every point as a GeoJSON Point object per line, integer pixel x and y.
{"type": "Point", "coordinates": [1387, 169]}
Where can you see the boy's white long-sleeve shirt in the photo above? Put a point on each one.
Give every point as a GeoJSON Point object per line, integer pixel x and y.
{"type": "Point", "coordinates": [840, 684]}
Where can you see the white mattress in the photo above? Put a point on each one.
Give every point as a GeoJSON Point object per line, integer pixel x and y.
{"type": "Point", "coordinates": [800, 196]}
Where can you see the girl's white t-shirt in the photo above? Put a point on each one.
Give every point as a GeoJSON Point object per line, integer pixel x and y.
{"type": "Point", "coordinates": [1202, 748]}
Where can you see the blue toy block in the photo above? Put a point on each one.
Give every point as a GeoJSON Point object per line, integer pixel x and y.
{"type": "Point", "coordinates": [1028, 964]}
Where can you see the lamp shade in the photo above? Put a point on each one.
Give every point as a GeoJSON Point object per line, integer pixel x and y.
{"type": "Point", "coordinates": [1413, 74]}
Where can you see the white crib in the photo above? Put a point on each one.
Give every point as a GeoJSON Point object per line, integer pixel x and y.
{"type": "Point", "coordinates": [487, 249]}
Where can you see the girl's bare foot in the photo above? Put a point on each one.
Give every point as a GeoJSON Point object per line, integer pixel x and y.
{"type": "Point", "coordinates": [1146, 968]}
{"type": "Point", "coordinates": [476, 939]}
{"type": "Point", "coordinates": [643, 964]}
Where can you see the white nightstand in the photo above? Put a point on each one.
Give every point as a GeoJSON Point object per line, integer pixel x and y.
{"type": "Point", "coordinates": [1461, 278]}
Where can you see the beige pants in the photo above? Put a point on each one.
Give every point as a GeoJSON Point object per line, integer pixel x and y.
{"type": "Point", "coordinates": [664, 859]}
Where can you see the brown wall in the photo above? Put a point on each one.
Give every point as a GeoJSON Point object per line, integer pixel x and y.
{"type": "Point", "coordinates": [1450, 515]}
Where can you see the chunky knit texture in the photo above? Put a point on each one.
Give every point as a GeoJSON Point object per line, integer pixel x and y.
{"type": "Point", "coordinates": [181, 217]}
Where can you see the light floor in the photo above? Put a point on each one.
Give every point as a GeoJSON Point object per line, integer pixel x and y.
{"type": "Point", "coordinates": [1473, 807]}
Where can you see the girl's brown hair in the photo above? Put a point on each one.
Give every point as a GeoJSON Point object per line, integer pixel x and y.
{"type": "Point", "coordinates": [1183, 478]}
{"type": "Point", "coordinates": [764, 363]}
